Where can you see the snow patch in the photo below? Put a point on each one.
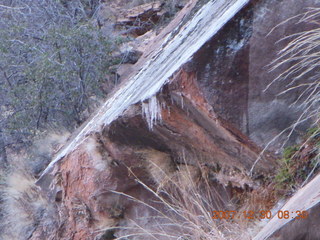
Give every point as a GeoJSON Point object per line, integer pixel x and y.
{"type": "Point", "coordinates": [235, 45]}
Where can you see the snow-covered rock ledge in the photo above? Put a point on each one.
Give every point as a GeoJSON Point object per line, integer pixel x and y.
{"type": "Point", "coordinates": [176, 50]}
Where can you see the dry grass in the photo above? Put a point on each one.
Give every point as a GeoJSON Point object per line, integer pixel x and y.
{"type": "Point", "coordinates": [98, 155]}
{"type": "Point", "coordinates": [302, 55]}
{"type": "Point", "coordinates": [301, 60]}
{"type": "Point", "coordinates": [159, 165]}
{"type": "Point", "coordinates": [23, 206]}
{"type": "Point", "coordinates": [43, 150]}
{"type": "Point", "coordinates": [183, 203]}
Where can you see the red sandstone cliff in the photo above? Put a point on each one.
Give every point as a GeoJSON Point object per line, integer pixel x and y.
{"type": "Point", "coordinates": [191, 113]}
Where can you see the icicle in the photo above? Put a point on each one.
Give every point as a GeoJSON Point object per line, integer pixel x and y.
{"type": "Point", "coordinates": [151, 110]}
{"type": "Point", "coordinates": [182, 102]}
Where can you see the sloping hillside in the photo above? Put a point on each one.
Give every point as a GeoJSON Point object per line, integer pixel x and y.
{"type": "Point", "coordinates": [186, 146]}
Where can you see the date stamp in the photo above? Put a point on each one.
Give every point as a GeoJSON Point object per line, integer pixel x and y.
{"type": "Point", "coordinates": [259, 215]}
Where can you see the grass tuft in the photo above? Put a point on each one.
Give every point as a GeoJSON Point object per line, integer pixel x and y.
{"type": "Point", "coordinates": [24, 208]}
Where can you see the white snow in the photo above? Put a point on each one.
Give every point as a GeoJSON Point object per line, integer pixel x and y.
{"type": "Point", "coordinates": [175, 51]}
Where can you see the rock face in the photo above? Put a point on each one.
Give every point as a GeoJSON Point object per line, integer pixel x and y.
{"type": "Point", "coordinates": [185, 113]}
{"type": "Point", "coordinates": [139, 20]}
{"type": "Point", "coordinates": [233, 69]}
{"type": "Point", "coordinates": [269, 113]}
{"type": "Point", "coordinates": [303, 216]}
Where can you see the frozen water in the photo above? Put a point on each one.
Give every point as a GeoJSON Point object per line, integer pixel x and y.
{"type": "Point", "coordinates": [175, 51]}
{"type": "Point", "coordinates": [151, 110]}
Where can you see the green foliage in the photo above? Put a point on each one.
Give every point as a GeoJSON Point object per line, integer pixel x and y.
{"type": "Point", "coordinates": [288, 152]}
{"type": "Point", "coordinates": [313, 132]}
{"type": "Point", "coordinates": [295, 167]}
{"type": "Point", "coordinates": [283, 173]}
{"type": "Point", "coordinates": [285, 177]}
{"type": "Point", "coordinates": [53, 63]}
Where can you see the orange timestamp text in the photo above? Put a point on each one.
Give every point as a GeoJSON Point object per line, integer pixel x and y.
{"type": "Point", "coordinates": [281, 214]}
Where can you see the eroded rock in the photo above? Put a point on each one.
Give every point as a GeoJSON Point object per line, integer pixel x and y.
{"type": "Point", "coordinates": [155, 139]}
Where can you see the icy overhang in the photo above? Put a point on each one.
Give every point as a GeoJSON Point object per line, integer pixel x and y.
{"type": "Point", "coordinates": [177, 48]}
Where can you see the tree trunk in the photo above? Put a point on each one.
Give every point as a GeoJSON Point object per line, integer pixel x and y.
{"type": "Point", "coordinates": [3, 153]}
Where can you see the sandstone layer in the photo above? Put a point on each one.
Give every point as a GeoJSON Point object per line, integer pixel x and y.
{"type": "Point", "coordinates": [194, 103]}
